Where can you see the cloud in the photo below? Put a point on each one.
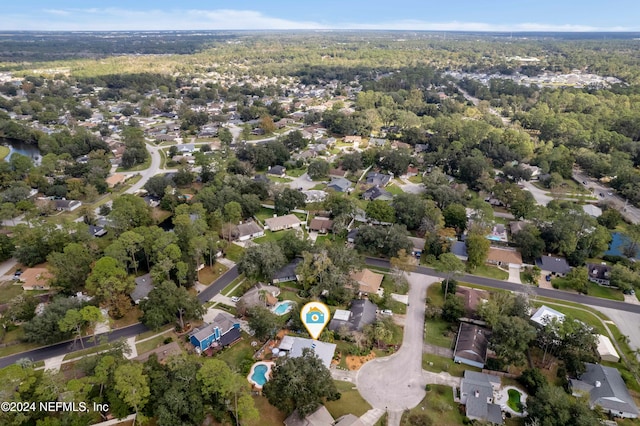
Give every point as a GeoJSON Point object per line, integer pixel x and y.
{"type": "Point", "coordinates": [108, 19]}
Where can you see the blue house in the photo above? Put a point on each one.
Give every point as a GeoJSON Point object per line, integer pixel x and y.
{"type": "Point", "coordinates": [221, 332]}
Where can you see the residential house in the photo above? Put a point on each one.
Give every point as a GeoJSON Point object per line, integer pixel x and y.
{"type": "Point", "coordinates": [66, 205]}
{"type": "Point", "coordinates": [278, 171]}
{"type": "Point", "coordinates": [249, 230]}
{"type": "Point", "coordinates": [373, 142]}
{"type": "Point", "coordinates": [36, 278]}
{"type": "Point", "coordinates": [592, 210]}
{"type": "Point", "coordinates": [378, 179]}
{"type": "Point", "coordinates": [517, 226]}
{"type": "Point", "coordinates": [362, 312]}
{"type": "Point", "coordinates": [337, 173]}
{"type": "Point", "coordinates": [221, 332]}
{"type": "Point", "coordinates": [288, 272]}
{"type": "Point", "coordinates": [400, 145]}
{"type": "Point", "coordinates": [321, 225]}
{"type": "Point", "coordinates": [351, 236]}
{"type": "Point", "coordinates": [376, 193]}
{"type": "Point", "coordinates": [476, 394]}
{"type": "Point", "coordinates": [471, 345]}
{"type": "Point", "coordinates": [320, 417]}
{"type": "Point", "coordinates": [368, 281]}
{"type": "Point", "coordinates": [162, 353]}
{"type": "Point", "coordinates": [411, 171]}
{"type": "Point", "coordinates": [261, 178]}
{"type": "Point", "coordinates": [418, 246]}
{"type": "Point", "coordinates": [535, 170]}
{"type": "Point", "coordinates": [599, 273]}
{"type": "Point", "coordinates": [419, 148]}
{"type": "Point", "coordinates": [260, 295]}
{"type": "Point", "coordinates": [97, 231]}
{"type": "Point", "coordinates": [142, 289]}
{"type": "Point", "coordinates": [504, 257]}
{"type": "Point", "coordinates": [606, 350]}
{"type": "Point", "coordinates": [278, 223]}
{"type": "Point", "coordinates": [339, 184]}
{"type": "Point", "coordinates": [115, 180]}
{"type": "Point", "coordinates": [605, 389]}
{"type": "Point", "coordinates": [294, 346]}
{"type": "Point", "coordinates": [348, 420]}
{"type": "Point", "coordinates": [551, 265]}
{"type": "Point", "coordinates": [314, 196]}
{"type": "Point", "coordinates": [187, 148]}
{"type": "Point", "coordinates": [544, 315]}
{"type": "Point", "coordinates": [473, 299]}
{"type": "Point", "coordinates": [459, 248]}
{"type": "Point", "coordinates": [356, 140]}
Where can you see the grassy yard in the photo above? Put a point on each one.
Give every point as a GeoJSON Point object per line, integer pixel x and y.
{"type": "Point", "coordinates": [233, 252]}
{"type": "Point", "coordinates": [415, 179]}
{"type": "Point", "coordinates": [438, 332]}
{"type": "Point", "coordinates": [209, 274]}
{"type": "Point", "coordinates": [269, 236]}
{"type": "Point", "coordinates": [137, 168]}
{"type": "Point", "coordinates": [444, 364]}
{"type": "Point", "coordinates": [9, 290]}
{"type": "Point", "coordinates": [393, 189]}
{"type": "Point", "coordinates": [151, 344]}
{"type": "Point", "coordinates": [593, 289]}
{"type": "Point", "coordinates": [438, 405]}
{"type": "Point", "coordinates": [132, 317]}
{"type": "Point", "coordinates": [289, 295]}
{"type": "Point", "coordinates": [154, 332]}
{"type": "Point", "coordinates": [264, 213]}
{"type": "Point", "coordinates": [491, 272]}
{"type": "Point", "coordinates": [586, 317]}
{"type": "Point", "coordinates": [349, 403]}
{"type": "Point", "coordinates": [85, 352]}
{"type": "Point", "coordinates": [4, 151]}
{"type": "Point", "coordinates": [277, 179]}
{"type": "Point", "coordinates": [435, 295]}
{"type": "Point", "coordinates": [296, 172]}
{"type": "Point", "coordinates": [227, 290]}
{"type": "Point", "coordinates": [269, 415]}
{"type": "Point", "coordinates": [239, 355]}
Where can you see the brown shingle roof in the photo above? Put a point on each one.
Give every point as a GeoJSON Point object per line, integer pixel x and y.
{"type": "Point", "coordinates": [368, 281]}
{"type": "Point", "coordinates": [504, 256]}
{"type": "Point", "coordinates": [36, 278]}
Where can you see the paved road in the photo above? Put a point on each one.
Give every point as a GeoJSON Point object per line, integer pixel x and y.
{"type": "Point", "coordinates": [148, 173]}
{"type": "Point", "coordinates": [121, 333]}
{"type": "Point", "coordinates": [630, 212]}
{"type": "Point", "coordinates": [545, 292]}
{"type": "Point", "coordinates": [396, 382]}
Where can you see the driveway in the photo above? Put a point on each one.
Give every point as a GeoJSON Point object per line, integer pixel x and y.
{"type": "Point", "coordinates": [514, 274]}
{"type": "Point", "coordinates": [396, 382]}
{"type": "Point", "coordinates": [303, 181]}
{"type": "Point", "coordinates": [540, 195]}
{"type": "Point", "coordinates": [410, 187]}
{"type": "Point", "coordinates": [627, 322]}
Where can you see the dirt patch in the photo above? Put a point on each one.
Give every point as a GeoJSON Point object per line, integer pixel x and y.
{"type": "Point", "coordinates": [355, 362]}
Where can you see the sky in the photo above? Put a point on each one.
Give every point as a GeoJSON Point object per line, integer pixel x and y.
{"type": "Point", "coordinates": [429, 15]}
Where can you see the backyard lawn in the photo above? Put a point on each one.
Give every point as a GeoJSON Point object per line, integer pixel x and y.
{"type": "Point", "coordinates": [209, 274]}
{"type": "Point", "coordinates": [393, 189]}
{"type": "Point", "coordinates": [9, 290]}
{"type": "Point", "coordinates": [350, 401]}
{"type": "Point", "coordinates": [269, 415]}
{"type": "Point", "coordinates": [269, 236]}
{"type": "Point", "coordinates": [444, 364]}
{"type": "Point", "coordinates": [438, 405]}
{"type": "Point", "coordinates": [239, 356]}
{"type": "Point", "coordinates": [438, 332]}
{"type": "Point", "coordinates": [233, 252]}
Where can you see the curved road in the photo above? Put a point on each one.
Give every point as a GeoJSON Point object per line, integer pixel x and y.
{"type": "Point", "coordinates": [215, 288]}
{"type": "Point", "coordinates": [120, 333]}
{"type": "Point", "coordinates": [396, 383]}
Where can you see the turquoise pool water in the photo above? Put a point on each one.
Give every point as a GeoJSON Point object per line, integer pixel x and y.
{"type": "Point", "coordinates": [283, 307]}
{"type": "Point", "coordinates": [259, 375]}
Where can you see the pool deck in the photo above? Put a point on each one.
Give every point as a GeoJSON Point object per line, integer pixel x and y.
{"type": "Point", "coordinates": [269, 365]}
{"type": "Point", "coordinates": [502, 397]}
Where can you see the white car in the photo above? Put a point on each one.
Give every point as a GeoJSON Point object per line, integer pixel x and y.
{"type": "Point", "coordinates": [235, 299]}
{"type": "Point", "coordinates": [387, 312]}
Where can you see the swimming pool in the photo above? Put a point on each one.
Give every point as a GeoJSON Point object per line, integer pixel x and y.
{"type": "Point", "coordinates": [259, 374]}
{"type": "Point", "coordinates": [283, 307]}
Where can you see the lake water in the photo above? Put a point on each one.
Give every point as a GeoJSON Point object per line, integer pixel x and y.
{"type": "Point", "coordinates": [22, 148]}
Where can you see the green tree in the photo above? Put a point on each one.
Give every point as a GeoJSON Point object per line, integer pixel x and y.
{"type": "Point", "coordinates": [450, 266]}
{"type": "Point", "coordinates": [453, 308]}
{"type": "Point", "coordinates": [477, 250]}
{"type": "Point", "coordinates": [232, 212]}
{"type": "Point", "coordinates": [290, 375]}
{"type": "Point", "coordinates": [551, 406]}
{"type": "Point", "coordinates": [108, 279]}
{"type": "Point", "coordinates": [263, 322]}
{"type": "Point", "coordinates": [128, 212]}
{"type": "Point", "coordinates": [71, 267]}
{"type": "Point", "coordinates": [262, 261]}
{"type": "Point", "coordinates": [381, 211]}
{"type": "Point", "coordinates": [132, 385]}
{"type": "Point", "coordinates": [45, 328]}
{"type": "Point", "coordinates": [221, 386]}
{"type": "Point", "coordinates": [624, 278]}
{"type": "Point", "coordinates": [410, 209]}
{"type": "Point", "coordinates": [510, 339]}
{"type": "Point", "coordinates": [530, 243]}
{"type": "Point", "coordinates": [288, 199]}
{"type": "Point", "coordinates": [167, 303]}
{"type": "Point", "coordinates": [225, 136]}
{"type": "Point", "coordinates": [318, 169]}
{"type": "Point", "coordinates": [455, 216]}
{"type": "Point", "coordinates": [578, 279]}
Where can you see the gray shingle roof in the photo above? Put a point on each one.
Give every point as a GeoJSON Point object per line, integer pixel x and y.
{"type": "Point", "coordinates": [472, 343]}
{"type": "Point", "coordinates": [363, 313]}
{"type": "Point", "coordinates": [553, 264]}
{"type": "Point", "coordinates": [478, 388]}
{"type": "Point", "coordinates": [339, 184]}
{"type": "Point", "coordinates": [142, 289]}
{"type": "Point", "coordinates": [606, 389]}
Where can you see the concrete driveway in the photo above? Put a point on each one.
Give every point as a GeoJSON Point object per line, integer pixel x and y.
{"type": "Point", "coordinates": [397, 382]}
{"type": "Point", "coordinates": [514, 274]}
{"type": "Point", "coordinates": [303, 181]}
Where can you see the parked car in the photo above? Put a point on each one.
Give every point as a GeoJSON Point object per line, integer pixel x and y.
{"type": "Point", "coordinates": [235, 299]}
{"type": "Point", "coordinates": [387, 312]}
